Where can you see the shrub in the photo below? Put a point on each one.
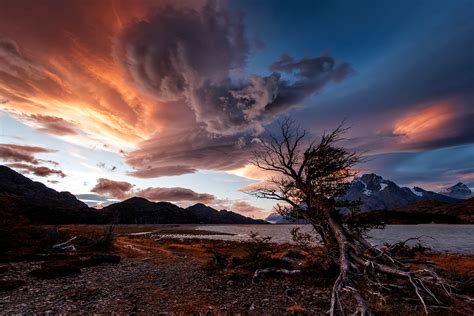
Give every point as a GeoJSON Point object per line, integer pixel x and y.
{"type": "Point", "coordinates": [259, 248]}
{"type": "Point", "coordinates": [217, 261]}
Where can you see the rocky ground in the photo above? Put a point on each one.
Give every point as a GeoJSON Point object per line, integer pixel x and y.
{"type": "Point", "coordinates": [163, 276]}
{"type": "Point", "coordinates": [167, 277]}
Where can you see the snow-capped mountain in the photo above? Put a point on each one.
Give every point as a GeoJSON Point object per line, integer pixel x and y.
{"type": "Point", "coordinates": [276, 218]}
{"type": "Point", "coordinates": [430, 195]}
{"type": "Point", "coordinates": [377, 193]}
{"type": "Point", "coordinates": [458, 191]}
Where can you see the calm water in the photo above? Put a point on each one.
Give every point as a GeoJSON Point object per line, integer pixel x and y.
{"type": "Point", "coordinates": [453, 238]}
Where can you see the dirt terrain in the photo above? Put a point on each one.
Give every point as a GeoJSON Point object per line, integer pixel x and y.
{"type": "Point", "coordinates": [162, 275]}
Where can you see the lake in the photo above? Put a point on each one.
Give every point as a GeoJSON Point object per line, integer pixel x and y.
{"type": "Point", "coordinates": [444, 237]}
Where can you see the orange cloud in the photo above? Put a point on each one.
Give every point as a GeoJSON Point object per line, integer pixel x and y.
{"type": "Point", "coordinates": [434, 124]}
{"type": "Point", "coordinates": [58, 61]}
{"type": "Point", "coordinates": [425, 121]}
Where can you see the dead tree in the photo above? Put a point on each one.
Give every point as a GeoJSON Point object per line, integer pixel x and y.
{"type": "Point", "coordinates": [309, 180]}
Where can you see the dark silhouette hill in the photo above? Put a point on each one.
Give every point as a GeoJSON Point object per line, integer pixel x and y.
{"type": "Point", "coordinates": [27, 200]}
{"type": "Point", "coordinates": [21, 197]}
{"type": "Point", "coordinates": [206, 214]}
{"type": "Point", "coordinates": [141, 211]}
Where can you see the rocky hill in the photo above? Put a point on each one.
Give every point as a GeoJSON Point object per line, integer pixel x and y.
{"type": "Point", "coordinates": [208, 215]}
{"type": "Point", "coordinates": [23, 198]}
{"type": "Point", "coordinates": [141, 211]}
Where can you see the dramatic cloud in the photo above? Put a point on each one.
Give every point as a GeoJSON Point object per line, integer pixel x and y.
{"type": "Point", "coordinates": [185, 151]}
{"type": "Point", "coordinates": [165, 59]}
{"type": "Point", "coordinates": [147, 72]}
{"type": "Point", "coordinates": [20, 153]}
{"type": "Point", "coordinates": [40, 171]}
{"type": "Point", "coordinates": [123, 190]}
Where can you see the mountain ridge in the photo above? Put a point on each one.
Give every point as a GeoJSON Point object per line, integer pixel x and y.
{"type": "Point", "coordinates": [377, 194]}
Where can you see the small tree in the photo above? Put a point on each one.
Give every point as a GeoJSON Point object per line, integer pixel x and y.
{"type": "Point", "coordinates": [310, 180]}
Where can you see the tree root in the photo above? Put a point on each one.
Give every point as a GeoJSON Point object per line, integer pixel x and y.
{"type": "Point", "coordinates": [359, 260]}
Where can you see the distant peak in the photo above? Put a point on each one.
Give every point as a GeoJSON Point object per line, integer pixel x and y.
{"type": "Point", "coordinates": [137, 199]}
{"type": "Point", "coordinates": [459, 191]}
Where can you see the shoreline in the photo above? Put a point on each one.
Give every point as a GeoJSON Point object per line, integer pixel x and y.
{"type": "Point", "coordinates": [432, 233]}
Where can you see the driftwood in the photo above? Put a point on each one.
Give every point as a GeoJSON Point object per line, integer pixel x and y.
{"type": "Point", "coordinates": [258, 273]}
{"type": "Point", "coordinates": [66, 246]}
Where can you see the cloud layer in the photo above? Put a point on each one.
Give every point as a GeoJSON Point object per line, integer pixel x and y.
{"type": "Point", "coordinates": [20, 153]}
{"type": "Point", "coordinates": [123, 190]}
{"type": "Point", "coordinates": [40, 171]}
{"type": "Point", "coordinates": [23, 158]}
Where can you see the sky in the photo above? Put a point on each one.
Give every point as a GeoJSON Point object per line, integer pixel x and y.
{"type": "Point", "coordinates": [168, 100]}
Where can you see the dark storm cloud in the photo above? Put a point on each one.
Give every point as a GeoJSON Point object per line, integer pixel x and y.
{"type": "Point", "coordinates": [195, 56]}
{"type": "Point", "coordinates": [40, 171]}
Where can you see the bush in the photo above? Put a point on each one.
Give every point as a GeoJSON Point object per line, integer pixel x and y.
{"type": "Point", "coordinates": [259, 248]}
{"type": "Point", "coordinates": [217, 261]}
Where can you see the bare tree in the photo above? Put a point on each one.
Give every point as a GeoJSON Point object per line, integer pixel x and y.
{"type": "Point", "coordinates": [310, 178]}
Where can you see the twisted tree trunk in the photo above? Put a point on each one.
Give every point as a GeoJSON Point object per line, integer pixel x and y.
{"type": "Point", "coordinates": [357, 257]}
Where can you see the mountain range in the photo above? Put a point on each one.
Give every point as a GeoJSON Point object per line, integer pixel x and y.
{"type": "Point", "coordinates": [378, 194]}
{"type": "Point", "coordinates": [22, 199]}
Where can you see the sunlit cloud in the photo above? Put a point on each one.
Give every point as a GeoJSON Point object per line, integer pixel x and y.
{"type": "Point", "coordinates": [123, 190]}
